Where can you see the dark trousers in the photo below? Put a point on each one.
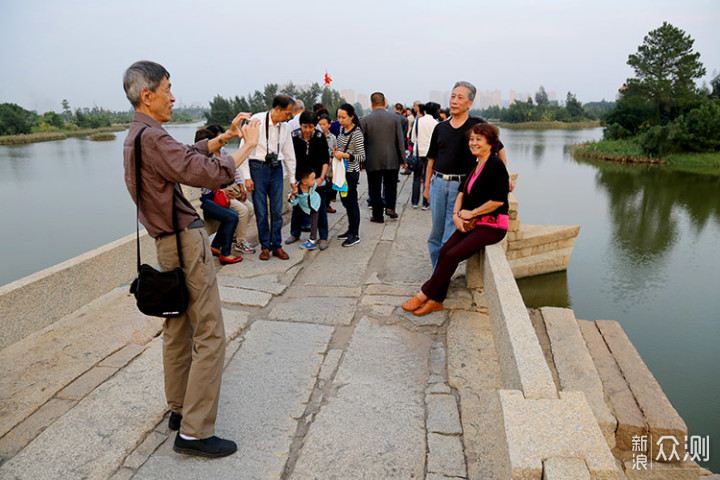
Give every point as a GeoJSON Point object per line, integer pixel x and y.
{"type": "Point", "coordinates": [228, 219]}
{"type": "Point", "coordinates": [418, 177]}
{"type": "Point", "coordinates": [350, 201]}
{"type": "Point", "coordinates": [376, 180]}
{"type": "Point", "coordinates": [321, 223]}
{"type": "Point", "coordinates": [460, 246]}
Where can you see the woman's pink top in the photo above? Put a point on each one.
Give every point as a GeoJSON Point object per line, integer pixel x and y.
{"type": "Point", "coordinates": [496, 221]}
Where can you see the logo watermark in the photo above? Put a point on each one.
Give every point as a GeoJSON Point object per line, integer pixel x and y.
{"type": "Point", "coordinates": [665, 449]}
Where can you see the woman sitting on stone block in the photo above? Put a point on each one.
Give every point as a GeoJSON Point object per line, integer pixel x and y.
{"type": "Point", "coordinates": [480, 216]}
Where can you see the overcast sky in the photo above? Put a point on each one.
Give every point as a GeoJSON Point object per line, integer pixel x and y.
{"type": "Point", "coordinates": [79, 49]}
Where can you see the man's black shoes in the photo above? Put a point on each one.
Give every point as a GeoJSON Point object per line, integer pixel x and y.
{"type": "Point", "coordinates": [212, 447]}
{"type": "Point", "coordinates": [175, 420]}
{"type": "Point", "coordinates": [392, 214]}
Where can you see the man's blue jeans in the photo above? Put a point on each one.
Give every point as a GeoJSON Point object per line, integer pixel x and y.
{"type": "Point", "coordinates": [443, 194]}
{"type": "Point", "coordinates": [268, 186]}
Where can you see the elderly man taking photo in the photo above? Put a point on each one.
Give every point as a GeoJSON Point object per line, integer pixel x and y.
{"type": "Point", "coordinates": [193, 343]}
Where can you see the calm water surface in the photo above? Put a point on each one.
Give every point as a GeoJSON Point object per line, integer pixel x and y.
{"type": "Point", "coordinates": [648, 254]}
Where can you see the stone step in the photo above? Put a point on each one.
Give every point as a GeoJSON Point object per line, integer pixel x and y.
{"type": "Point", "coordinates": [537, 235]}
{"type": "Point", "coordinates": [660, 416]}
{"type": "Point", "coordinates": [575, 366]}
{"type": "Point", "coordinates": [546, 262]}
{"type": "Point", "coordinates": [617, 392]}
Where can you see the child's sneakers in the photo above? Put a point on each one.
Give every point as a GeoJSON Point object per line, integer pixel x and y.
{"type": "Point", "coordinates": [309, 245]}
{"type": "Point", "coordinates": [244, 247]}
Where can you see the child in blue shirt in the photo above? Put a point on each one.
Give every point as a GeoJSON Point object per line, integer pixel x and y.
{"type": "Point", "coordinates": [309, 202]}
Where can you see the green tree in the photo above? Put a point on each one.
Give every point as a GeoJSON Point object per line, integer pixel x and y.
{"type": "Point", "coordinates": [240, 105]}
{"type": "Point", "coordinates": [541, 98]}
{"type": "Point", "coordinates": [290, 89]}
{"type": "Point", "coordinates": [666, 68]}
{"type": "Point", "coordinates": [310, 95]}
{"type": "Point", "coordinates": [51, 119]}
{"type": "Point", "coordinates": [574, 107]}
{"type": "Point", "coordinates": [67, 113]}
{"type": "Point", "coordinates": [220, 111]}
{"type": "Point", "coordinates": [359, 111]}
{"type": "Point", "coordinates": [332, 100]}
{"type": "Point", "coordinates": [15, 120]}
{"type": "Point", "coordinates": [269, 93]}
{"type": "Point", "coordinates": [257, 103]}
{"type": "Point", "coordinates": [715, 86]}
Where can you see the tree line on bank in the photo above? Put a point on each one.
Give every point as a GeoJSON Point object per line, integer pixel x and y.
{"type": "Point", "coordinates": [662, 108]}
{"type": "Point", "coordinates": [223, 110]}
{"type": "Point", "coordinates": [542, 109]}
{"type": "Point", "coordinates": [16, 120]}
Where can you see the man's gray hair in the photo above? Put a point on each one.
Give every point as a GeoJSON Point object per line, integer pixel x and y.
{"type": "Point", "coordinates": [471, 89]}
{"type": "Point", "coordinates": [299, 106]}
{"type": "Point", "coordinates": [142, 74]}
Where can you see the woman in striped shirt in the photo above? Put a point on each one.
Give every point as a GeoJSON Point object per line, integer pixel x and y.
{"type": "Point", "coordinates": [351, 149]}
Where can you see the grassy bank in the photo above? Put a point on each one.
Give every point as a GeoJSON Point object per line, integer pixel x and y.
{"type": "Point", "coordinates": [550, 125]}
{"type": "Point", "coordinates": [627, 151]}
{"type": "Point", "coordinates": [60, 134]}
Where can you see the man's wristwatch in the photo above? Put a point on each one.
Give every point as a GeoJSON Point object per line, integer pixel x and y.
{"type": "Point", "coordinates": [220, 139]}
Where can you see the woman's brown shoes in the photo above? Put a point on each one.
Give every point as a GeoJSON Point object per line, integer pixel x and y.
{"type": "Point", "coordinates": [419, 308]}
{"type": "Point", "coordinates": [413, 304]}
{"type": "Point", "coordinates": [429, 307]}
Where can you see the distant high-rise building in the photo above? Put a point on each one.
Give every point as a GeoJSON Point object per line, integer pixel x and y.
{"type": "Point", "coordinates": [363, 100]}
{"type": "Point", "coordinates": [349, 95]}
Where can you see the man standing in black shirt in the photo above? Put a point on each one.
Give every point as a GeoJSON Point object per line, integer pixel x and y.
{"type": "Point", "coordinates": [449, 161]}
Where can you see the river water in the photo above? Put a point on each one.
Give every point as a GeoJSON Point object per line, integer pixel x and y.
{"type": "Point", "coordinates": [648, 253]}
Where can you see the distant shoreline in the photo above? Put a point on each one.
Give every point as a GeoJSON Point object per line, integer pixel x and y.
{"type": "Point", "coordinates": [550, 125]}
{"type": "Point", "coordinates": [628, 152]}
{"type": "Point", "coordinates": [63, 134]}
{"type": "Point", "coordinates": [50, 136]}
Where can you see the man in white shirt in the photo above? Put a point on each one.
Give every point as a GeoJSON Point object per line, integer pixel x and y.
{"type": "Point", "coordinates": [420, 138]}
{"type": "Point", "coordinates": [264, 174]}
{"type": "Point", "coordinates": [294, 124]}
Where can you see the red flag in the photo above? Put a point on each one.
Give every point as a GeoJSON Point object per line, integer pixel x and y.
{"type": "Point", "coordinates": [328, 80]}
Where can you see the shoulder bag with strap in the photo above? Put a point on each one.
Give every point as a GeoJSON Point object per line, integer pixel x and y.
{"type": "Point", "coordinates": [158, 294]}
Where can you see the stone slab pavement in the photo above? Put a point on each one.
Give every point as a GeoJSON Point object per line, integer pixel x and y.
{"type": "Point", "coordinates": [326, 377]}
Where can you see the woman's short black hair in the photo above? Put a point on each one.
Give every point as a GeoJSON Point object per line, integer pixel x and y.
{"type": "Point", "coordinates": [489, 131]}
{"type": "Point", "coordinates": [204, 133]}
{"type": "Point", "coordinates": [308, 117]}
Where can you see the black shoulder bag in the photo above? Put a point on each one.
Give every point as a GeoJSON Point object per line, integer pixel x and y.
{"type": "Point", "coordinates": [158, 294]}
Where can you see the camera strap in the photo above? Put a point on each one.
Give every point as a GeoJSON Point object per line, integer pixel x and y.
{"type": "Point", "coordinates": [267, 135]}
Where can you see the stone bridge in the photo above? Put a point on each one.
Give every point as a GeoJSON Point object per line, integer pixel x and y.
{"type": "Point", "coordinates": [326, 377]}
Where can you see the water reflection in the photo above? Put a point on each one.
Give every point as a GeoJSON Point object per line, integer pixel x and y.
{"type": "Point", "coordinates": [549, 290]}
{"type": "Point", "coordinates": [646, 204]}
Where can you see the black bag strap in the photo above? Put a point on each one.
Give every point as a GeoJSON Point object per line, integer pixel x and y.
{"type": "Point", "coordinates": [138, 191]}
{"type": "Point", "coordinates": [350, 137]}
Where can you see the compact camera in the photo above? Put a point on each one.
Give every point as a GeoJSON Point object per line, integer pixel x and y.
{"type": "Point", "coordinates": [272, 160]}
